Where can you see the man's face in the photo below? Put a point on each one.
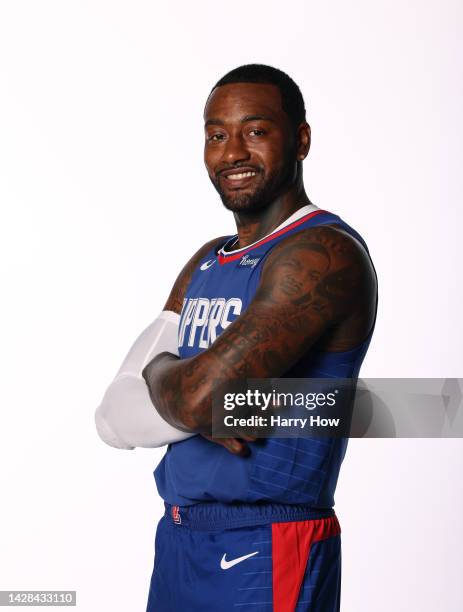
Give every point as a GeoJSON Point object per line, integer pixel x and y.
{"type": "Point", "coordinates": [250, 148]}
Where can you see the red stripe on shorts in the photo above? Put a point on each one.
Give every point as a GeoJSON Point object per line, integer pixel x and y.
{"type": "Point", "coordinates": [291, 544]}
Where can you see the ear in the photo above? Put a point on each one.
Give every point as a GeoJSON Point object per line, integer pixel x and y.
{"type": "Point", "coordinates": [303, 140]}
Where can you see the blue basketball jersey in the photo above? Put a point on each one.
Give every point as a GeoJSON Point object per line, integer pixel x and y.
{"type": "Point", "coordinates": [288, 471]}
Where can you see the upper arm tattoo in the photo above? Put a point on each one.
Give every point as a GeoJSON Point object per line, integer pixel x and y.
{"type": "Point", "coordinates": [310, 282]}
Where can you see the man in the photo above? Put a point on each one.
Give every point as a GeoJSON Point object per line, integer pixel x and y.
{"type": "Point", "coordinates": [250, 525]}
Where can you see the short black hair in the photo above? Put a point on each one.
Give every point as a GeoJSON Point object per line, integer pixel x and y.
{"type": "Point", "coordinates": [291, 96]}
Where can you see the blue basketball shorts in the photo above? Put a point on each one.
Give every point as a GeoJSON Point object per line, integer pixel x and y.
{"type": "Point", "coordinates": [215, 557]}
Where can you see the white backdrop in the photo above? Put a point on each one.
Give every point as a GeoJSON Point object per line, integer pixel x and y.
{"type": "Point", "coordinates": [104, 196]}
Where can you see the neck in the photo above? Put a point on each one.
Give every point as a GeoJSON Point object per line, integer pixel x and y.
{"type": "Point", "coordinates": [252, 226]}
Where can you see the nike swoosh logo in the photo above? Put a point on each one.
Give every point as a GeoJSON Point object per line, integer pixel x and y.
{"type": "Point", "coordinates": [207, 264]}
{"type": "Point", "coordinates": [224, 564]}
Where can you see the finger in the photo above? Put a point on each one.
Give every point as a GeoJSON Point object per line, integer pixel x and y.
{"type": "Point", "coordinates": [235, 446]}
{"type": "Point", "coordinates": [247, 437]}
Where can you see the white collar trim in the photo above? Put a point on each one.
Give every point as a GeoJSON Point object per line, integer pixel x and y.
{"type": "Point", "coordinates": [300, 212]}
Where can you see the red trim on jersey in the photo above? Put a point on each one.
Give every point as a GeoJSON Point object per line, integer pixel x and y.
{"type": "Point", "coordinates": [291, 544]}
{"type": "Point", "coordinates": [234, 256]}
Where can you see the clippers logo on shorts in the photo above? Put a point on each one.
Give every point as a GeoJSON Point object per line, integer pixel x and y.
{"type": "Point", "coordinates": [176, 515]}
{"type": "Point", "coordinates": [203, 319]}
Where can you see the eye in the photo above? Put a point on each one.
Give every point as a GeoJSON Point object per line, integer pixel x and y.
{"type": "Point", "coordinates": [257, 132]}
{"type": "Point", "coordinates": [215, 137]}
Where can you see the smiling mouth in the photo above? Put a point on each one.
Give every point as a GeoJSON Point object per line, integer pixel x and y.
{"type": "Point", "coordinates": [234, 179]}
{"type": "Point", "coordinates": [239, 176]}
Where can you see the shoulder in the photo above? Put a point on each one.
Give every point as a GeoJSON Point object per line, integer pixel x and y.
{"type": "Point", "coordinates": [332, 240]}
{"type": "Point", "coordinates": [330, 247]}
{"type": "Point", "coordinates": [175, 299]}
{"type": "Point", "coordinates": [324, 261]}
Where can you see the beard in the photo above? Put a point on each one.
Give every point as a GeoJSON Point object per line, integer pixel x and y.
{"type": "Point", "coordinates": [267, 189]}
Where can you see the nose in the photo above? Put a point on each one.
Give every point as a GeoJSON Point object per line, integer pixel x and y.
{"type": "Point", "coordinates": [235, 149]}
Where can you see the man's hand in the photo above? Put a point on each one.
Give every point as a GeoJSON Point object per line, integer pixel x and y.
{"type": "Point", "coordinates": [153, 371]}
{"type": "Point", "coordinates": [234, 445]}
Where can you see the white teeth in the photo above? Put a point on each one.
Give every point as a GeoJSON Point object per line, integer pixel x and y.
{"type": "Point", "coordinates": [237, 177]}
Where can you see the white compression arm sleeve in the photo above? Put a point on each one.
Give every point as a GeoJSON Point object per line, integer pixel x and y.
{"type": "Point", "coordinates": [126, 417]}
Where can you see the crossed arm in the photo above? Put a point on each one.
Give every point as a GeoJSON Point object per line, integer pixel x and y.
{"type": "Point", "coordinates": [316, 284]}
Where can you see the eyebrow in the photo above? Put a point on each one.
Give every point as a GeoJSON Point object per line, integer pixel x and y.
{"type": "Point", "coordinates": [243, 120]}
